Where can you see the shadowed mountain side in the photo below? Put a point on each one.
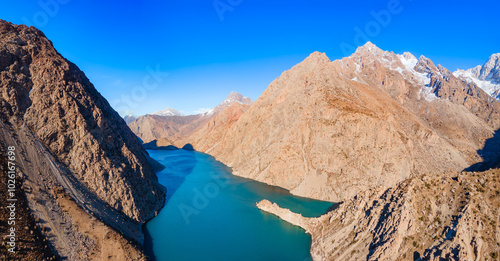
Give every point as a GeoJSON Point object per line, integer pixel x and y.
{"type": "Point", "coordinates": [490, 154]}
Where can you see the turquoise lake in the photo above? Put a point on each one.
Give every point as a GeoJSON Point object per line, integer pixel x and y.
{"type": "Point", "coordinates": [210, 214]}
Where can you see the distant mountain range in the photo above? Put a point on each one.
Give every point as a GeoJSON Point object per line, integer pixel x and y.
{"type": "Point", "coordinates": [486, 77]}
{"type": "Point", "coordinates": [328, 129]}
{"type": "Point", "coordinates": [170, 125]}
{"type": "Point", "coordinates": [167, 112]}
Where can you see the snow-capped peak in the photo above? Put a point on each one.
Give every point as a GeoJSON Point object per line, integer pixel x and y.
{"type": "Point", "coordinates": [408, 60]}
{"type": "Point", "coordinates": [369, 47]}
{"type": "Point", "coordinates": [167, 112]}
{"type": "Point", "coordinates": [486, 77]}
{"type": "Point", "coordinates": [236, 97]}
{"type": "Point", "coordinates": [491, 69]}
{"type": "Point", "coordinates": [419, 70]}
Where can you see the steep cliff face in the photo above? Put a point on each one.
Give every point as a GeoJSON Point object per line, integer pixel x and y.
{"type": "Point", "coordinates": [461, 113]}
{"type": "Point", "coordinates": [453, 216]}
{"type": "Point", "coordinates": [69, 136]}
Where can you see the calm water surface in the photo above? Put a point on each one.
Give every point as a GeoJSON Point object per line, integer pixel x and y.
{"type": "Point", "coordinates": [210, 214]}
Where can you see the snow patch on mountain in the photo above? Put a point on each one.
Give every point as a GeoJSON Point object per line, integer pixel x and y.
{"type": "Point", "coordinates": [422, 78]}
{"type": "Point", "coordinates": [168, 112]}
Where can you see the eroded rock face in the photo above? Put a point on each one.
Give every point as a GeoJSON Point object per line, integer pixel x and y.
{"type": "Point", "coordinates": [453, 216]}
{"type": "Point", "coordinates": [63, 110]}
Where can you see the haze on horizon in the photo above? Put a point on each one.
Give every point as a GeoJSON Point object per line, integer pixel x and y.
{"type": "Point", "coordinates": [189, 55]}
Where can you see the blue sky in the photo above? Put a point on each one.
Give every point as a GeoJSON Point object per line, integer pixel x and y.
{"type": "Point", "coordinates": [147, 55]}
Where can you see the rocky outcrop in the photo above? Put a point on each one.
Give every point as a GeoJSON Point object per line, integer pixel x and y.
{"type": "Point", "coordinates": [68, 136]}
{"type": "Point", "coordinates": [448, 217]}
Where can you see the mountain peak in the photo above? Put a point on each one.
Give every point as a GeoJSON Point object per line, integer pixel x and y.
{"type": "Point", "coordinates": [167, 112]}
{"type": "Point", "coordinates": [236, 97]}
{"type": "Point", "coordinates": [425, 65]}
{"type": "Point", "coordinates": [486, 76]}
{"type": "Point", "coordinates": [409, 56]}
{"type": "Point", "coordinates": [316, 58]}
{"type": "Point", "coordinates": [491, 69]}
{"type": "Point", "coordinates": [369, 47]}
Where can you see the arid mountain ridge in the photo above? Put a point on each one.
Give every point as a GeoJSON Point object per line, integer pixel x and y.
{"type": "Point", "coordinates": [78, 161]}
{"type": "Point", "coordinates": [174, 128]}
{"type": "Point", "coordinates": [328, 130]}
{"type": "Point", "coordinates": [386, 135]}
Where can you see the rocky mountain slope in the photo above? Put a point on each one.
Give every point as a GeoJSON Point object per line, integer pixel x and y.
{"type": "Point", "coordinates": [328, 130]}
{"type": "Point", "coordinates": [175, 128]}
{"type": "Point", "coordinates": [129, 118]}
{"type": "Point", "coordinates": [453, 216]}
{"type": "Point", "coordinates": [150, 127]}
{"type": "Point", "coordinates": [208, 135]}
{"type": "Point", "coordinates": [69, 139]}
{"type": "Point", "coordinates": [486, 77]}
